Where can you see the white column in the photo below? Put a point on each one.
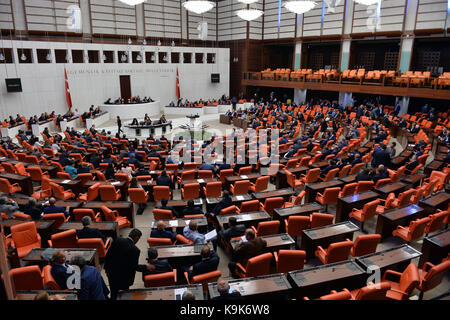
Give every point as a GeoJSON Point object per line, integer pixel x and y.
{"type": "Point", "coordinates": [404, 103]}
{"type": "Point", "coordinates": [345, 54]}
{"type": "Point", "coordinates": [345, 98]}
{"type": "Point", "coordinates": [406, 48]}
{"type": "Point", "coordinates": [299, 96]}
{"type": "Point", "coordinates": [298, 55]}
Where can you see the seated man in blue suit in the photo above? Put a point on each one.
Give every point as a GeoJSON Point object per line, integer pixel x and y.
{"type": "Point", "coordinates": [164, 180]}
{"type": "Point", "coordinates": [191, 209]}
{"type": "Point", "coordinates": [210, 262]}
{"type": "Point", "coordinates": [61, 269]}
{"type": "Point", "coordinates": [154, 265]}
{"type": "Point", "coordinates": [161, 232]}
{"type": "Point", "coordinates": [89, 233]}
{"type": "Point", "coordinates": [52, 208]}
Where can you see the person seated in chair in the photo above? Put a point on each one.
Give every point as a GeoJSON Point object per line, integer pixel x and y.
{"type": "Point", "coordinates": [364, 175]}
{"type": "Point", "coordinates": [412, 165]}
{"type": "Point", "coordinates": [164, 206]}
{"type": "Point", "coordinates": [154, 265]}
{"type": "Point", "coordinates": [380, 173]}
{"type": "Point", "coordinates": [191, 209]}
{"type": "Point", "coordinates": [52, 208]}
{"type": "Point", "coordinates": [61, 269]}
{"type": "Point", "coordinates": [161, 232]}
{"type": "Point", "coordinates": [234, 230]}
{"type": "Point", "coordinates": [89, 233]}
{"type": "Point", "coordinates": [164, 180]}
{"type": "Point", "coordinates": [226, 293]}
{"type": "Point", "coordinates": [210, 262]}
{"type": "Point", "coordinates": [331, 165]}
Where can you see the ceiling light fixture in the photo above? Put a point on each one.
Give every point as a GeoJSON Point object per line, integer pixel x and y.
{"type": "Point", "coordinates": [49, 57]}
{"type": "Point", "coordinates": [132, 2]}
{"type": "Point", "coordinates": [367, 2]}
{"type": "Point", "coordinates": [299, 7]}
{"type": "Point", "coordinates": [249, 14]}
{"type": "Point", "coordinates": [198, 7]}
{"type": "Point", "coordinates": [23, 57]}
{"type": "Point", "coordinates": [2, 57]}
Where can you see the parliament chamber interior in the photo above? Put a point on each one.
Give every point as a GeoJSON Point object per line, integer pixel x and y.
{"type": "Point", "coordinates": [230, 150]}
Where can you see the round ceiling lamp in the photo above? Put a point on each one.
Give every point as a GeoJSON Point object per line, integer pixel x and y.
{"type": "Point", "coordinates": [299, 7]}
{"type": "Point", "coordinates": [2, 57]}
{"type": "Point", "coordinates": [23, 57]}
{"type": "Point", "coordinates": [249, 14]}
{"type": "Point", "coordinates": [132, 2]}
{"type": "Point", "coordinates": [198, 7]}
{"type": "Point", "coordinates": [367, 2]}
{"type": "Point", "coordinates": [248, 1]}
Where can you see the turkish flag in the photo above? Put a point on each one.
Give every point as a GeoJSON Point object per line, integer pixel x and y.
{"type": "Point", "coordinates": [68, 98]}
{"type": "Point", "coordinates": [178, 86]}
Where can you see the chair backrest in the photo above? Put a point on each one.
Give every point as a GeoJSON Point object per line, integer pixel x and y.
{"type": "Point", "coordinates": [245, 170]}
{"type": "Point", "coordinates": [213, 189]}
{"type": "Point", "coordinates": [345, 170]}
{"type": "Point", "coordinates": [370, 209]}
{"type": "Point", "coordinates": [225, 173]}
{"type": "Point", "coordinates": [9, 167]}
{"type": "Point", "coordinates": [35, 173]}
{"type": "Point", "coordinates": [93, 243]}
{"type": "Point", "coordinates": [342, 295]}
{"type": "Point", "coordinates": [296, 224]}
{"type": "Point", "coordinates": [137, 195]}
{"type": "Point", "coordinates": [436, 222]}
{"type": "Point", "coordinates": [205, 174]}
{"type": "Point", "coordinates": [161, 214]}
{"type": "Point", "coordinates": [5, 186]}
{"type": "Point", "coordinates": [373, 291]}
{"type": "Point", "coordinates": [321, 219]}
{"type": "Point", "coordinates": [304, 161]}
{"type": "Point", "coordinates": [183, 240]}
{"type": "Point", "coordinates": [92, 193]}
{"type": "Point", "coordinates": [356, 168]}
{"type": "Point", "coordinates": [249, 206]}
{"type": "Point", "coordinates": [206, 278]}
{"type": "Point", "coordinates": [417, 227]}
{"type": "Point", "coordinates": [409, 279]}
{"type": "Point", "coordinates": [259, 265]}
{"type": "Point", "coordinates": [191, 191]}
{"type": "Point", "coordinates": [63, 175]}
{"type": "Point", "coordinates": [312, 175]}
{"type": "Point", "coordinates": [404, 198]}
{"type": "Point", "coordinates": [122, 177]}
{"type": "Point", "coordinates": [331, 174]}
{"type": "Point", "coordinates": [59, 219]}
{"type": "Point", "coordinates": [241, 187]}
{"type": "Point", "coordinates": [273, 203]}
{"type": "Point", "coordinates": [27, 278]}
{"type": "Point", "coordinates": [348, 189]}
{"type": "Point", "coordinates": [364, 186]}
{"type": "Point", "coordinates": [100, 175]}
{"type": "Point", "coordinates": [266, 228]}
{"type": "Point", "coordinates": [365, 244]}
{"type": "Point", "coordinates": [229, 210]}
{"type": "Point", "coordinates": [85, 177]}
{"type": "Point", "coordinates": [78, 214]}
{"type": "Point", "coordinates": [262, 183]}
{"type": "Point", "coordinates": [289, 260]}
{"type": "Point", "coordinates": [160, 192]}
{"type": "Point", "coordinates": [107, 193]}
{"type": "Point", "coordinates": [188, 175]}
{"type": "Point", "coordinates": [435, 275]}
{"type": "Point", "coordinates": [154, 242]}
{"type": "Point", "coordinates": [331, 195]}
{"type": "Point", "coordinates": [49, 281]}
{"type": "Point", "coordinates": [382, 182]}
{"type": "Point", "coordinates": [66, 239]}
{"type": "Point", "coordinates": [338, 251]}
{"type": "Point", "coordinates": [24, 234]}
{"type": "Point", "coordinates": [160, 279]}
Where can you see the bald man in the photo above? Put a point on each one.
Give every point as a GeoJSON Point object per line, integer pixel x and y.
{"type": "Point", "coordinates": [224, 292]}
{"type": "Point", "coordinates": [161, 232]}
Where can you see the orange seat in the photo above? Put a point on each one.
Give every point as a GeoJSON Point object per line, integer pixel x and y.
{"type": "Point", "coordinates": [25, 238]}
{"type": "Point", "coordinates": [365, 244]}
{"type": "Point", "coordinates": [212, 189]}
{"type": "Point", "coordinates": [266, 228]}
{"type": "Point", "coordinates": [261, 184]}
{"type": "Point", "coordinates": [138, 195]}
{"type": "Point", "coordinates": [37, 174]}
{"type": "Point", "coordinates": [60, 193]}
{"type": "Point", "coordinates": [96, 243]}
{"type": "Point", "coordinates": [330, 175]}
{"type": "Point", "coordinates": [245, 170]}
{"type": "Point", "coordinates": [256, 266]}
{"type": "Point", "coordinates": [356, 168]}
{"type": "Point", "coordinates": [63, 175]}
{"type": "Point", "coordinates": [122, 177]}
{"type": "Point", "coordinates": [372, 291]}
{"type": "Point", "coordinates": [296, 224]}
{"type": "Point", "coordinates": [20, 168]}
{"type": "Point", "coordinates": [408, 280]}
{"type": "Point", "coordinates": [437, 221]}
{"type": "Point", "coordinates": [6, 187]}
{"type": "Point", "coordinates": [49, 281]}
{"type": "Point", "coordinates": [240, 187]}
{"type": "Point", "coordinates": [272, 203]}
{"type": "Point", "coordinates": [368, 211]}
{"type": "Point", "coordinates": [91, 194]}
{"type": "Point", "coordinates": [335, 252]}
{"type": "Point", "coordinates": [414, 231]}
{"type": "Point", "coordinates": [312, 176]}
{"type": "Point", "coordinates": [190, 191]}
{"type": "Point", "coordinates": [64, 240]}
{"type": "Point", "coordinates": [27, 278]}
{"type": "Point", "coordinates": [229, 210]}
{"type": "Point", "coordinates": [113, 215]}
{"type": "Point", "coordinates": [162, 214]}
{"type": "Point", "coordinates": [161, 192]}
{"type": "Point", "coordinates": [348, 189]}
{"type": "Point", "coordinates": [180, 239]}
{"type": "Point", "coordinates": [292, 181]}
{"type": "Point", "coordinates": [345, 171]}
{"type": "Point", "coordinates": [334, 295]}
{"type": "Point", "coordinates": [186, 175]}
{"type": "Point", "coordinates": [59, 219]}
{"type": "Point", "coordinates": [249, 206]}
{"type": "Point", "coordinates": [161, 279]}
{"type": "Point", "coordinates": [430, 276]}
{"type": "Point", "coordinates": [404, 198]}
{"type": "Point", "coordinates": [329, 196]}
{"type": "Point", "coordinates": [85, 177]}
{"type": "Point", "coordinates": [205, 174]}
{"type": "Point", "coordinates": [154, 242]}
{"type": "Point", "coordinates": [78, 214]}
{"type": "Point", "coordinates": [225, 173]}
{"type": "Point", "coordinates": [109, 193]}
{"type": "Point", "coordinates": [204, 278]}
{"type": "Point", "coordinates": [364, 186]}
{"type": "Point", "coordinates": [289, 260]}
{"type": "Point", "coordinates": [387, 203]}
{"type": "Point", "coordinates": [318, 219]}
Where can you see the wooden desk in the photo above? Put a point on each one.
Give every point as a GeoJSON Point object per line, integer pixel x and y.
{"type": "Point", "coordinates": [179, 224]}
{"type": "Point", "coordinates": [395, 187]}
{"type": "Point", "coordinates": [162, 293]}
{"type": "Point", "coordinates": [437, 201]}
{"type": "Point", "coordinates": [389, 220]}
{"type": "Point", "coordinates": [394, 259]}
{"type": "Point", "coordinates": [347, 203]}
{"type": "Point", "coordinates": [179, 255]}
{"type": "Point", "coordinates": [348, 179]}
{"type": "Point", "coordinates": [435, 247]}
{"type": "Point", "coordinates": [300, 210]}
{"type": "Point", "coordinates": [433, 165]}
{"type": "Point", "coordinates": [107, 228]}
{"type": "Point", "coordinates": [285, 193]}
{"type": "Point", "coordinates": [313, 188]}
{"type": "Point", "coordinates": [415, 180]}
{"type": "Point", "coordinates": [91, 256]}
{"type": "Point", "coordinates": [121, 185]}
{"type": "Point", "coordinates": [274, 286]}
{"type": "Point", "coordinates": [281, 181]}
{"type": "Point", "coordinates": [44, 228]}
{"type": "Point", "coordinates": [326, 235]}
{"type": "Point", "coordinates": [179, 205]}
{"type": "Point", "coordinates": [318, 281]}
{"type": "Point", "coordinates": [275, 242]}
{"type": "Point", "coordinates": [321, 164]}
{"type": "Point", "coordinates": [74, 185]}
{"type": "Point", "coordinates": [124, 208]}
{"type": "Point", "coordinates": [24, 182]}
{"type": "Point", "coordinates": [29, 295]}
{"type": "Point", "coordinates": [224, 119]}
{"type": "Point", "coordinates": [50, 169]}
{"type": "Point", "coordinates": [236, 200]}
{"type": "Point", "coordinates": [247, 218]}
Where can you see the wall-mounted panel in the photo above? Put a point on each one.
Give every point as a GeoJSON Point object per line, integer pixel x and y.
{"type": "Point", "coordinates": [113, 17]}
{"type": "Point", "coordinates": [431, 14]}
{"type": "Point", "coordinates": [49, 15]}
{"type": "Point", "coordinates": [162, 18]}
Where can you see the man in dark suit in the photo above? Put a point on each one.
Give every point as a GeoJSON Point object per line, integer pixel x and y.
{"type": "Point", "coordinates": [210, 262]}
{"type": "Point", "coordinates": [234, 230]}
{"type": "Point", "coordinates": [364, 175]}
{"type": "Point", "coordinates": [412, 165]}
{"type": "Point", "coordinates": [93, 287]}
{"type": "Point", "coordinates": [225, 293]}
{"type": "Point", "coordinates": [161, 232]}
{"type": "Point", "coordinates": [121, 262]}
{"type": "Point", "coordinates": [331, 165]}
{"type": "Point", "coordinates": [32, 208]}
{"type": "Point", "coordinates": [223, 166]}
{"type": "Point", "coordinates": [61, 269]}
{"type": "Point", "coordinates": [141, 171]}
{"type": "Point", "coordinates": [224, 203]}
{"type": "Point", "coordinates": [154, 265]}
{"type": "Point", "coordinates": [380, 173]}
{"type": "Point", "coordinates": [164, 206]}
{"type": "Point", "coordinates": [89, 233]}
{"type": "Point", "coordinates": [52, 208]}
{"type": "Point", "coordinates": [246, 250]}
{"type": "Point", "coordinates": [164, 180]}
{"type": "Point", "coordinates": [191, 209]}
{"type": "Point", "coordinates": [380, 156]}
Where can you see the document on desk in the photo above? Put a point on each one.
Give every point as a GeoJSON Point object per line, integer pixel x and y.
{"type": "Point", "coordinates": [115, 183]}
{"type": "Point", "coordinates": [244, 177]}
{"type": "Point", "coordinates": [243, 217]}
{"type": "Point", "coordinates": [211, 235]}
{"type": "Point", "coordinates": [66, 181]}
{"type": "Point", "coordinates": [200, 180]}
{"type": "Point", "coordinates": [239, 198]}
{"type": "Point", "coordinates": [173, 223]}
{"type": "Point", "coordinates": [178, 293]}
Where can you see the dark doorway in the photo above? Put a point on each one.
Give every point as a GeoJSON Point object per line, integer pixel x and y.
{"type": "Point", "coordinates": [125, 88]}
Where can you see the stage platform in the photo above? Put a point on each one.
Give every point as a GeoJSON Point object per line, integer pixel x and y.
{"type": "Point", "coordinates": [131, 111]}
